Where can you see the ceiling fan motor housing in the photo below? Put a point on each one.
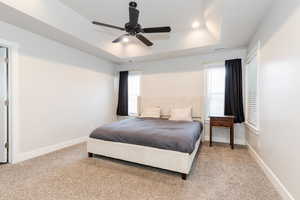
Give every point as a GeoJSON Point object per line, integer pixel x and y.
{"type": "Point", "coordinates": [133, 4]}
{"type": "Point", "coordinates": [133, 30]}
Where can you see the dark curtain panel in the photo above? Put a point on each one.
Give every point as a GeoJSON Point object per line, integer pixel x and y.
{"type": "Point", "coordinates": [234, 90]}
{"type": "Point", "coordinates": [123, 94]}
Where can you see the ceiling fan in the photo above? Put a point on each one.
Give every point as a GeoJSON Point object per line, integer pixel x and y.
{"type": "Point", "coordinates": [133, 28]}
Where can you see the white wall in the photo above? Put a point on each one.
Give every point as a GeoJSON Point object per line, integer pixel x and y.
{"type": "Point", "coordinates": [183, 76]}
{"type": "Point", "coordinates": [278, 142]}
{"type": "Point", "coordinates": [61, 94]}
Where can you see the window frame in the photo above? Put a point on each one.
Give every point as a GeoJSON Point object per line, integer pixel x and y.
{"type": "Point", "coordinates": [139, 73]}
{"type": "Point", "coordinates": [253, 54]}
{"type": "Point", "coordinates": [206, 93]}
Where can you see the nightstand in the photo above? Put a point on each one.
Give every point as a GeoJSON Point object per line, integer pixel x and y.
{"type": "Point", "coordinates": [222, 121]}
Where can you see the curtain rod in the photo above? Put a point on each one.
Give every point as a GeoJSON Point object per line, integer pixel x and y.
{"type": "Point", "coordinates": [138, 70]}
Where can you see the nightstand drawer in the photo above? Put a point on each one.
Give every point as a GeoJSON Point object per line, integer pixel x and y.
{"type": "Point", "coordinates": [221, 123]}
{"type": "Point", "coordinates": [227, 119]}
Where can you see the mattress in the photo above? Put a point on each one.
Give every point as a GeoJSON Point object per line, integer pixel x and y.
{"type": "Point", "coordinates": [158, 133]}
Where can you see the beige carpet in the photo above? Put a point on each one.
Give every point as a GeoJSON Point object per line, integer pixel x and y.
{"type": "Point", "coordinates": [218, 173]}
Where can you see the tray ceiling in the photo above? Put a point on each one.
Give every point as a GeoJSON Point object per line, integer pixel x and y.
{"type": "Point", "coordinates": [221, 24]}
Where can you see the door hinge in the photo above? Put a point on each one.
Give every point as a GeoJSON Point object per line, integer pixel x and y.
{"type": "Point", "coordinates": [6, 145]}
{"type": "Point", "coordinates": [4, 60]}
{"type": "Point", "coordinates": [6, 102]}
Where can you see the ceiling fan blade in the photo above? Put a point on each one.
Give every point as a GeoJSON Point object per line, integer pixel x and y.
{"type": "Point", "coordinates": [119, 39]}
{"type": "Point", "coordinates": [133, 16]}
{"type": "Point", "coordinates": [108, 25]}
{"type": "Point", "coordinates": [165, 29]}
{"type": "Point", "coordinates": [144, 40]}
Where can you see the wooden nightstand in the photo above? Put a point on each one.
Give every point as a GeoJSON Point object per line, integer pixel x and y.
{"type": "Point", "coordinates": [223, 121]}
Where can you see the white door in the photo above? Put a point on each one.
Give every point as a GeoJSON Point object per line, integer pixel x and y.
{"type": "Point", "coordinates": [3, 105]}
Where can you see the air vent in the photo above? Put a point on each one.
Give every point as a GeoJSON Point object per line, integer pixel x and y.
{"type": "Point", "coordinates": [220, 49]}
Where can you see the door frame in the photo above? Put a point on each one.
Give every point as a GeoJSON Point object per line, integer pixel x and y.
{"type": "Point", "coordinates": [11, 97]}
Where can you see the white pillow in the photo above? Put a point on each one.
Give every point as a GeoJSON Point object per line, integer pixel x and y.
{"type": "Point", "coordinates": [151, 112]}
{"type": "Point", "coordinates": [181, 114]}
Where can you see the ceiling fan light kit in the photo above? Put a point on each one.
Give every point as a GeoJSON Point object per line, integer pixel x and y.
{"type": "Point", "coordinates": [133, 28]}
{"type": "Point", "coordinates": [125, 39]}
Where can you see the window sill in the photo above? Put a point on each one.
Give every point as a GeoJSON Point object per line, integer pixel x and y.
{"type": "Point", "coordinates": [133, 115]}
{"type": "Point", "coordinates": [252, 128]}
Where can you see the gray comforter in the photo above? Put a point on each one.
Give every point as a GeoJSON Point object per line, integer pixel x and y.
{"type": "Point", "coordinates": [158, 133]}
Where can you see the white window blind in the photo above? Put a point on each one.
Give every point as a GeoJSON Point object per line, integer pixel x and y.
{"type": "Point", "coordinates": [215, 77]}
{"type": "Point", "coordinates": [133, 92]}
{"type": "Point", "coordinates": [251, 85]}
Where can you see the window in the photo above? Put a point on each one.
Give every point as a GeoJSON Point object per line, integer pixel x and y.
{"type": "Point", "coordinates": [252, 91]}
{"type": "Point", "coordinates": [133, 92]}
{"type": "Point", "coordinates": [215, 77]}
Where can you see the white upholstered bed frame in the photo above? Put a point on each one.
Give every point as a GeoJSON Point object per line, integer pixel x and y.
{"type": "Point", "coordinates": [154, 157]}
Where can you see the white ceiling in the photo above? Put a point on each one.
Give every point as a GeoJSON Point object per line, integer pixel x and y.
{"type": "Point", "coordinates": [178, 14]}
{"type": "Point", "coordinates": [224, 24]}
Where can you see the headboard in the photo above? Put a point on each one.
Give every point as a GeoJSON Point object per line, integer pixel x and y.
{"type": "Point", "coordinates": [166, 103]}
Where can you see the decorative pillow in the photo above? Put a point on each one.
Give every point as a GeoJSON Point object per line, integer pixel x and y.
{"type": "Point", "coordinates": [151, 112]}
{"type": "Point", "coordinates": [181, 114]}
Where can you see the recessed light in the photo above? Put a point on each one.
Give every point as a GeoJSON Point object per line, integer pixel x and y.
{"type": "Point", "coordinates": [195, 25]}
{"type": "Point", "coordinates": [125, 39]}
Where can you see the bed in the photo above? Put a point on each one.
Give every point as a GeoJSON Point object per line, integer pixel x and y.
{"type": "Point", "coordinates": [161, 143]}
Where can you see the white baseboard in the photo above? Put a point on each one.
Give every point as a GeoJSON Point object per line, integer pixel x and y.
{"type": "Point", "coordinates": [225, 140]}
{"type": "Point", "coordinates": [271, 175]}
{"type": "Point", "coordinates": [45, 150]}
